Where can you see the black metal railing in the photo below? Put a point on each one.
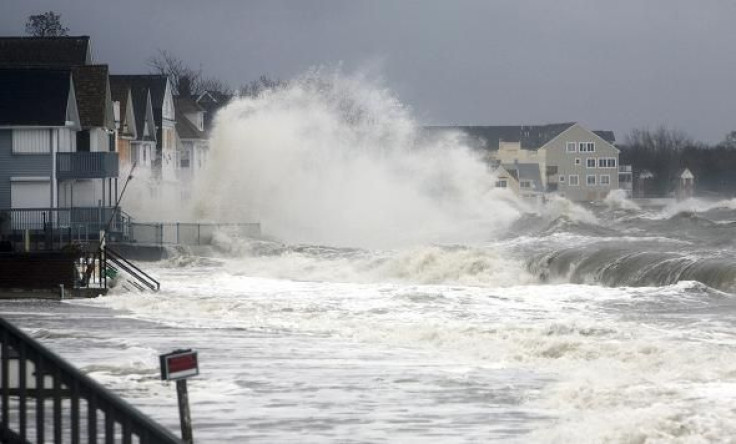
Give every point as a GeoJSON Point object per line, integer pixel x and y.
{"type": "Point", "coordinates": [44, 399]}
{"type": "Point", "coordinates": [182, 233]}
{"type": "Point", "coordinates": [115, 259]}
{"type": "Point", "coordinates": [86, 165]}
{"type": "Point", "coordinates": [62, 226]}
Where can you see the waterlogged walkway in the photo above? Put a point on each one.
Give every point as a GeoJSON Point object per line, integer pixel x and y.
{"type": "Point", "coordinates": [283, 387]}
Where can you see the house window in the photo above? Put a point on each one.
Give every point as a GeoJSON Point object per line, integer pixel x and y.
{"type": "Point", "coordinates": [578, 161]}
{"type": "Point", "coordinates": [83, 141]}
{"type": "Point", "coordinates": [574, 180]}
{"type": "Point", "coordinates": [501, 183]}
{"type": "Point", "coordinates": [525, 184]}
{"type": "Point", "coordinates": [587, 147]}
{"type": "Point", "coordinates": [184, 159]}
{"type": "Point", "coordinates": [31, 141]}
{"type": "Point", "coordinates": [607, 162]}
{"type": "Point", "coordinates": [571, 147]}
{"type": "Point", "coordinates": [590, 162]}
{"type": "Point", "coordinates": [605, 179]}
{"type": "Point", "coordinates": [590, 180]}
{"type": "Point", "coordinates": [562, 178]}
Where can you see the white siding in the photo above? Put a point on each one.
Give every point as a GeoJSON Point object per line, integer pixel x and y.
{"type": "Point", "coordinates": [87, 193]}
{"type": "Point", "coordinates": [33, 141]}
{"type": "Point", "coordinates": [67, 140]}
{"type": "Point", "coordinates": [99, 140]}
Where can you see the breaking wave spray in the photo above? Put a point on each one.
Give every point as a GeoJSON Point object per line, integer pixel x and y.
{"type": "Point", "coordinates": [336, 159]}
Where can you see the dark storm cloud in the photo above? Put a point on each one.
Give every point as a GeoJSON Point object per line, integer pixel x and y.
{"type": "Point", "coordinates": [617, 65]}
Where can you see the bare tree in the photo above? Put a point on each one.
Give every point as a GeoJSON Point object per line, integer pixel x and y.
{"type": "Point", "coordinates": [256, 87]}
{"type": "Point", "coordinates": [729, 141]}
{"type": "Point", "coordinates": [47, 24]}
{"type": "Point", "coordinates": [185, 80]}
{"type": "Point", "coordinates": [660, 151]}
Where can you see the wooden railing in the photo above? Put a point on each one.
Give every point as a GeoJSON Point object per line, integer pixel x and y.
{"type": "Point", "coordinates": [46, 399]}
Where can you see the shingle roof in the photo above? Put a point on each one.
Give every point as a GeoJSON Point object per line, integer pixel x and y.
{"type": "Point", "coordinates": [90, 84]}
{"type": "Point", "coordinates": [34, 96]}
{"type": "Point", "coordinates": [187, 105]}
{"type": "Point", "coordinates": [607, 136]}
{"type": "Point", "coordinates": [187, 130]}
{"type": "Point", "coordinates": [47, 51]}
{"type": "Point", "coordinates": [140, 85]}
{"type": "Point", "coordinates": [119, 93]}
{"type": "Point", "coordinates": [531, 137]}
{"type": "Point", "coordinates": [156, 83]}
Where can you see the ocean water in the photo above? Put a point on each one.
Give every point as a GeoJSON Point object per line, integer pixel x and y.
{"type": "Point", "coordinates": [580, 324]}
{"type": "Point", "coordinates": [400, 297]}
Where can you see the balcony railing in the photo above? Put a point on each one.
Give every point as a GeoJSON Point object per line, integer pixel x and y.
{"type": "Point", "coordinates": [86, 165]}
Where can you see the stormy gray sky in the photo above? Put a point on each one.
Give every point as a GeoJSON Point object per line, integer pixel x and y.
{"type": "Point", "coordinates": [616, 65]}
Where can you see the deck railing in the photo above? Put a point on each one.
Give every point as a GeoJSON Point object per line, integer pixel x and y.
{"type": "Point", "coordinates": [61, 226]}
{"type": "Point", "coordinates": [44, 399]}
{"type": "Point", "coordinates": [86, 165]}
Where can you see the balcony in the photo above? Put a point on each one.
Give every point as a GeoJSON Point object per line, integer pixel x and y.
{"type": "Point", "coordinates": [86, 165]}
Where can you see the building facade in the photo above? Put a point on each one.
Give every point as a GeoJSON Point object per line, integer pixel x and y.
{"type": "Point", "coordinates": [571, 161]}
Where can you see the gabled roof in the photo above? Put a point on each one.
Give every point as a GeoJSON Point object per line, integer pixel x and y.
{"type": "Point", "coordinates": [120, 92]}
{"type": "Point", "coordinates": [685, 173]}
{"type": "Point", "coordinates": [187, 105]}
{"type": "Point", "coordinates": [187, 130]}
{"type": "Point", "coordinates": [91, 86]}
{"type": "Point", "coordinates": [34, 97]}
{"type": "Point", "coordinates": [529, 136]}
{"type": "Point", "coordinates": [139, 92]}
{"type": "Point", "coordinates": [211, 102]}
{"type": "Point", "coordinates": [46, 51]}
{"type": "Point", "coordinates": [154, 82]}
{"type": "Point", "coordinates": [606, 135]}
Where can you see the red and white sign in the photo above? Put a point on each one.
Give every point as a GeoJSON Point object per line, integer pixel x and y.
{"type": "Point", "coordinates": [179, 364]}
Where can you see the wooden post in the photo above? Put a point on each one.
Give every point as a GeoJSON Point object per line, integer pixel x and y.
{"type": "Point", "coordinates": [179, 365]}
{"type": "Point", "coordinates": [184, 416]}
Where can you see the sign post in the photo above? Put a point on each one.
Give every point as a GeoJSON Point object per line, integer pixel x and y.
{"type": "Point", "coordinates": [178, 366]}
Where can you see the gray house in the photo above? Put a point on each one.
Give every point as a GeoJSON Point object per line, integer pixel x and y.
{"type": "Point", "coordinates": [38, 119]}
{"type": "Point", "coordinates": [576, 163]}
{"type": "Point", "coordinates": [44, 178]}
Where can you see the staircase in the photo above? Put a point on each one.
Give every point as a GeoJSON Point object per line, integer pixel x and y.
{"type": "Point", "coordinates": [136, 277]}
